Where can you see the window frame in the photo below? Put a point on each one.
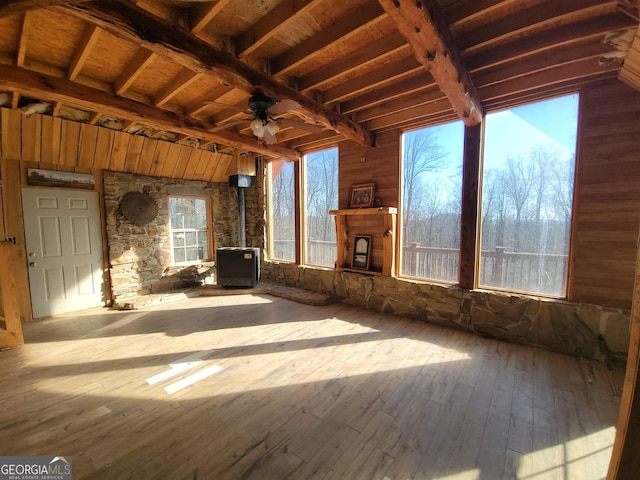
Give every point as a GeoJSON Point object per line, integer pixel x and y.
{"type": "Point", "coordinates": [270, 243]}
{"type": "Point", "coordinates": [209, 229]}
{"type": "Point", "coordinates": [401, 205]}
{"type": "Point", "coordinates": [303, 204]}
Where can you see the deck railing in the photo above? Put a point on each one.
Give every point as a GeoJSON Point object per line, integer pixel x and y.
{"type": "Point", "coordinates": [529, 272]}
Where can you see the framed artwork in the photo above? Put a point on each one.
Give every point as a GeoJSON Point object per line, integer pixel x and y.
{"type": "Point", "coordinates": [362, 195]}
{"type": "Point", "coordinates": [361, 252]}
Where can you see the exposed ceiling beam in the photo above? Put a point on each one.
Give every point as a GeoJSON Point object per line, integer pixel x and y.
{"type": "Point", "coordinates": [12, 7]}
{"type": "Point", "coordinates": [371, 52]}
{"type": "Point", "coordinates": [89, 39]}
{"type": "Point", "coordinates": [135, 67]}
{"type": "Point", "coordinates": [205, 13]}
{"type": "Point", "coordinates": [133, 24]}
{"type": "Point", "coordinates": [25, 30]}
{"type": "Point", "coordinates": [53, 89]}
{"type": "Point", "coordinates": [366, 15]}
{"type": "Point", "coordinates": [182, 81]}
{"type": "Point", "coordinates": [431, 41]}
{"type": "Point", "coordinates": [268, 26]}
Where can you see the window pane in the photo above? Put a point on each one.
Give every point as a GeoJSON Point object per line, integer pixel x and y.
{"type": "Point", "coordinates": [191, 238]}
{"type": "Point", "coordinates": [282, 210]}
{"type": "Point", "coordinates": [178, 239]}
{"type": "Point", "coordinates": [431, 201]}
{"type": "Point", "coordinates": [527, 191]}
{"type": "Point", "coordinates": [178, 255]}
{"type": "Point", "coordinates": [321, 177]}
{"type": "Point", "coordinates": [193, 254]}
{"type": "Point", "coordinates": [189, 228]}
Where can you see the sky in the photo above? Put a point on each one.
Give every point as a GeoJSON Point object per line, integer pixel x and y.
{"type": "Point", "coordinates": [514, 131]}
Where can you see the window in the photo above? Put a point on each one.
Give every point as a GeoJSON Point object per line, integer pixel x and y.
{"type": "Point", "coordinates": [529, 158]}
{"type": "Point", "coordinates": [189, 229]}
{"type": "Point", "coordinates": [321, 192]}
{"type": "Point", "coordinates": [431, 199]}
{"type": "Point", "coordinates": [282, 210]}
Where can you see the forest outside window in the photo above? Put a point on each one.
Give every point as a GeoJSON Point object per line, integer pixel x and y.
{"type": "Point", "coordinates": [528, 173]}
{"type": "Point", "coordinates": [282, 211]}
{"type": "Point", "coordinates": [431, 201]}
{"type": "Point", "coordinates": [321, 194]}
{"type": "Point", "coordinates": [189, 229]}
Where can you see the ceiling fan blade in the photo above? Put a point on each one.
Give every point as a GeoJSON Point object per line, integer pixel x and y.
{"type": "Point", "coordinates": [284, 106]}
{"type": "Point", "coordinates": [287, 122]}
{"type": "Point", "coordinates": [232, 107]}
{"type": "Point", "coordinates": [269, 138]}
{"type": "Point", "coordinates": [217, 128]}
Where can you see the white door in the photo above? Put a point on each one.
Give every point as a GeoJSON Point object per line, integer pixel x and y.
{"type": "Point", "coordinates": [64, 250]}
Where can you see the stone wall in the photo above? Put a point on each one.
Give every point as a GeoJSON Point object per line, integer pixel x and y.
{"type": "Point", "coordinates": [574, 328]}
{"type": "Point", "coordinates": [140, 255]}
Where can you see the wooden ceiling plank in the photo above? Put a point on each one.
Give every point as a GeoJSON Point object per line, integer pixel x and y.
{"type": "Point", "coordinates": [402, 68]}
{"type": "Point", "coordinates": [205, 14]}
{"type": "Point", "coordinates": [25, 31]}
{"type": "Point", "coordinates": [364, 16]}
{"type": "Point", "coordinates": [57, 89]}
{"type": "Point", "coordinates": [89, 39]}
{"type": "Point", "coordinates": [525, 19]}
{"type": "Point", "coordinates": [434, 48]}
{"type": "Point", "coordinates": [374, 51]}
{"type": "Point", "coordinates": [405, 103]}
{"type": "Point", "coordinates": [459, 11]}
{"type": "Point", "coordinates": [13, 7]}
{"type": "Point", "coordinates": [593, 28]}
{"type": "Point", "coordinates": [131, 72]}
{"type": "Point", "coordinates": [575, 72]}
{"type": "Point", "coordinates": [285, 13]}
{"type": "Point", "coordinates": [543, 61]}
{"type": "Point", "coordinates": [135, 25]}
{"type": "Point", "coordinates": [408, 86]}
{"type": "Point", "coordinates": [200, 103]}
{"type": "Point", "coordinates": [182, 81]}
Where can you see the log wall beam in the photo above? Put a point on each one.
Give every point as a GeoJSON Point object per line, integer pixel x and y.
{"type": "Point", "coordinates": [427, 33]}
{"type": "Point", "coordinates": [135, 25]}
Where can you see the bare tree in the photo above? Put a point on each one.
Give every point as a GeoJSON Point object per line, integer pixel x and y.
{"type": "Point", "coordinates": [422, 153]}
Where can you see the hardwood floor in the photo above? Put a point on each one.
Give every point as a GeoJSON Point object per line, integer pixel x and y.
{"type": "Point", "coordinates": [258, 387]}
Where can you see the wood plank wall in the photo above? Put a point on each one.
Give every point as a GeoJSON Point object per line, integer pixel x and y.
{"type": "Point", "coordinates": [58, 144]}
{"type": "Point", "coordinates": [381, 165]}
{"type": "Point", "coordinates": [607, 196]}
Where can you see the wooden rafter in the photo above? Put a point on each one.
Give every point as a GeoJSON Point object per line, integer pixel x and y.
{"type": "Point", "coordinates": [182, 81]}
{"type": "Point", "coordinates": [371, 52]}
{"type": "Point", "coordinates": [433, 46]}
{"type": "Point", "coordinates": [136, 25]}
{"type": "Point", "coordinates": [12, 7]}
{"type": "Point", "coordinates": [22, 43]}
{"type": "Point", "coordinates": [62, 90]}
{"type": "Point", "coordinates": [206, 13]}
{"type": "Point", "coordinates": [142, 59]}
{"type": "Point", "coordinates": [200, 103]}
{"type": "Point", "coordinates": [89, 38]}
{"type": "Point", "coordinates": [349, 25]}
{"type": "Point", "coordinates": [268, 26]}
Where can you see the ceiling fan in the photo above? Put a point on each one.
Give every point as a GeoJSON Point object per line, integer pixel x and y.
{"type": "Point", "coordinates": [264, 117]}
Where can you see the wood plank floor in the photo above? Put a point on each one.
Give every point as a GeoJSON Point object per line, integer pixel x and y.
{"type": "Point", "coordinates": [259, 387]}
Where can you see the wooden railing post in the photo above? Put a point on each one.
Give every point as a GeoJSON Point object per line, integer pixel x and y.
{"type": "Point", "coordinates": [497, 266]}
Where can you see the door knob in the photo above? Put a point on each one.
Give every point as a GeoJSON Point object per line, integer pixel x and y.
{"type": "Point", "coordinates": [32, 264]}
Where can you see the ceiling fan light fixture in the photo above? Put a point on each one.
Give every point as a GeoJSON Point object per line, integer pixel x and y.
{"type": "Point", "coordinates": [257, 128]}
{"type": "Point", "coordinates": [272, 127]}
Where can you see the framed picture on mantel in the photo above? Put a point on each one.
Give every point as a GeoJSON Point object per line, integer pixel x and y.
{"type": "Point", "coordinates": [361, 252]}
{"type": "Point", "coordinates": [362, 195]}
